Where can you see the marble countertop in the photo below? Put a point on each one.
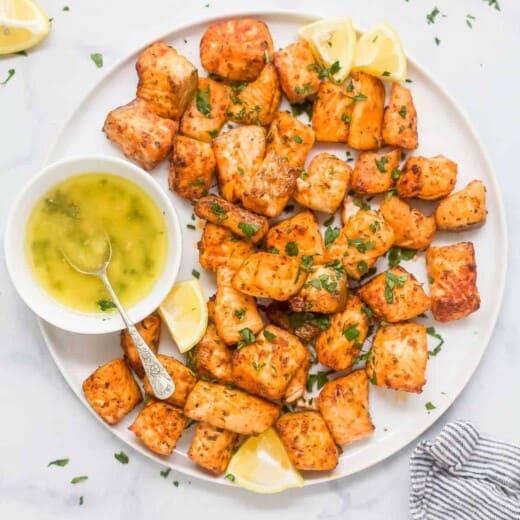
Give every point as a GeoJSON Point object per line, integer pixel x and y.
{"type": "Point", "coordinates": [41, 418]}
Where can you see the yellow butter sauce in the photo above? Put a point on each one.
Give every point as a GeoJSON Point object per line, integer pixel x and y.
{"type": "Point", "coordinates": [84, 204]}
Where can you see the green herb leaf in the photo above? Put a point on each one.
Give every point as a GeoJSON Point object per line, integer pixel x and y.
{"type": "Point", "coordinates": [97, 58]}
{"type": "Point", "coordinates": [202, 99]}
{"type": "Point", "coordinates": [437, 41]}
{"type": "Point", "coordinates": [361, 204]}
{"type": "Point", "coordinates": [306, 89]}
{"type": "Point", "coordinates": [10, 74]}
{"type": "Point", "coordinates": [176, 482]}
{"type": "Point", "coordinates": [248, 229]}
{"type": "Point", "coordinates": [248, 338]}
{"type": "Point", "coordinates": [213, 134]}
{"type": "Point", "coordinates": [375, 226]}
{"type": "Point", "coordinates": [269, 336]}
{"type": "Point", "coordinates": [307, 261]}
{"type": "Point", "coordinates": [291, 249]}
{"type": "Point", "coordinates": [390, 193]}
{"type": "Point", "coordinates": [362, 357]}
{"type": "Point", "coordinates": [362, 266]}
{"type": "Point", "coordinates": [191, 226]}
{"type": "Point", "coordinates": [66, 8]}
{"type": "Point", "coordinates": [257, 366]}
{"type": "Point", "coordinates": [165, 472]}
{"type": "Point", "coordinates": [299, 319]}
{"type": "Point", "coordinates": [346, 118]}
{"type": "Point", "coordinates": [331, 233]}
{"type": "Point", "coordinates": [299, 108]}
{"type": "Point", "coordinates": [273, 250]}
{"type": "Point", "coordinates": [386, 73]}
{"type": "Point", "coordinates": [230, 477]}
{"type": "Point", "coordinates": [58, 462]}
{"type": "Point", "coordinates": [329, 221]}
{"type": "Point", "coordinates": [396, 173]}
{"type": "Point", "coordinates": [195, 273]}
{"type": "Point", "coordinates": [81, 500]}
{"type": "Point", "coordinates": [351, 333]}
{"type": "Point", "coordinates": [338, 268]}
{"type": "Point", "coordinates": [367, 311]}
{"type": "Point", "coordinates": [430, 18]}
{"type": "Point", "coordinates": [430, 406]}
{"type": "Point", "coordinates": [267, 58]}
{"type": "Point", "coordinates": [297, 139]}
{"type": "Point", "coordinates": [76, 480]}
{"type": "Point", "coordinates": [381, 164]}
{"type": "Point", "coordinates": [122, 457]}
{"type": "Point", "coordinates": [218, 210]}
{"type": "Point", "coordinates": [240, 313]}
{"type": "Point", "coordinates": [319, 379]}
{"type": "Point", "coordinates": [432, 332]}
{"type": "Point", "coordinates": [396, 254]}
{"type": "Point", "coordinates": [105, 305]}
{"type": "Point", "coordinates": [359, 97]}
{"type": "Point", "coordinates": [493, 3]}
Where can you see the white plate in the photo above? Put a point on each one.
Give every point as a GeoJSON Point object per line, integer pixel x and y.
{"type": "Point", "coordinates": [399, 417]}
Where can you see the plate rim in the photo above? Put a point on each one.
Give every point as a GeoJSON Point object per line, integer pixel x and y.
{"type": "Point", "coordinates": [471, 366]}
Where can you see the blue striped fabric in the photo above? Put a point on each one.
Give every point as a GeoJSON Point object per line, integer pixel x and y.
{"type": "Point", "coordinates": [463, 475]}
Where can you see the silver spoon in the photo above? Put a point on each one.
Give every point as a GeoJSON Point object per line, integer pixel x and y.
{"type": "Point", "coordinates": [161, 382]}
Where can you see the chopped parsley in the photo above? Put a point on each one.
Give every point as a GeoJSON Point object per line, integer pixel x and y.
{"type": "Point", "coordinates": [430, 406]}
{"type": "Point", "coordinates": [351, 333]}
{"type": "Point", "coordinates": [195, 273]}
{"type": "Point", "coordinates": [323, 72]}
{"type": "Point", "coordinates": [269, 336]}
{"type": "Point", "coordinates": [434, 334]}
{"type": "Point", "coordinates": [306, 89]}
{"type": "Point", "coordinates": [367, 311]}
{"type": "Point", "coordinates": [362, 357]}
{"type": "Point", "coordinates": [299, 319]}
{"type": "Point", "coordinates": [105, 305]}
{"type": "Point", "coordinates": [359, 97]}
{"type": "Point", "coordinates": [122, 457]}
{"type": "Point", "coordinates": [81, 500]}
{"type": "Point", "coordinates": [402, 112]}
{"type": "Point", "coordinates": [396, 173]}
{"type": "Point", "coordinates": [291, 249]}
{"type": "Point", "coordinates": [191, 226]}
{"type": "Point", "coordinates": [329, 221]}
{"type": "Point", "coordinates": [391, 281]}
{"type": "Point", "coordinates": [331, 233]}
{"type": "Point", "coordinates": [230, 477]}
{"type": "Point", "coordinates": [66, 8]}
{"type": "Point", "coordinates": [247, 338]}
{"type": "Point", "coordinates": [273, 250]}
{"type": "Point", "coordinates": [176, 482]}
{"type": "Point", "coordinates": [437, 41]}
{"type": "Point", "coordinates": [213, 133]}
{"type": "Point", "coordinates": [165, 472]}
{"type": "Point", "coordinates": [493, 3]}
{"type": "Point", "coordinates": [240, 313]}
{"type": "Point", "coordinates": [248, 229]}
{"type": "Point", "coordinates": [257, 366]}
{"type": "Point", "coordinates": [362, 266]}
{"type": "Point", "coordinates": [381, 164]}
{"type": "Point", "coordinates": [218, 210]}
{"type": "Point", "coordinates": [396, 254]}
{"type": "Point", "coordinates": [297, 139]}
{"type": "Point", "coordinates": [361, 245]}
{"type": "Point", "coordinates": [267, 58]}
{"type": "Point", "coordinates": [390, 193]}
{"type": "Point", "coordinates": [307, 261]}
{"type": "Point", "coordinates": [386, 73]}
{"type": "Point", "coordinates": [469, 20]}
{"type": "Point", "coordinates": [97, 58]}
{"type": "Point", "coordinates": [10, 74]}
{"type": "Point", "coordinates": [319, 379]}
{"type": "Point", "coordinates": [58, 462]}
{"type": "Point", "coordinates": [346, 118]}
{"type": "Point", "coordinates": [430, 18]}
{"type": "Point", "coordinates": [202, 99]}
{"type": "Point", "coordinates": [338, 268]}
{"type": "Point", "coordinates": [361, 204]}
{"type": "Point", "coordinates": [76, 480]}
{"type": "Point", "coordinates": [300, 108]}
{"type": "Point", "coordinates": [375, 226]}
{"type": "Point", "coordinates": [323, 282]}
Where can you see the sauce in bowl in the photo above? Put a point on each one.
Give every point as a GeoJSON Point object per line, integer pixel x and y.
{"type": "Point", "coordinates": [93, 204]}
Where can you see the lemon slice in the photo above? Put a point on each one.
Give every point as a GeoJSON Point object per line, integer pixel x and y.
{"type": "Point", "coordinates": [380, 53]}
{"type": "Point", "coordinates": [332, 40]}
{"type": "Point", "coordinates": [185, 313]}
{"type": "Point", "coordinates": [23, 24]}
{"type": "Point", "coordinates": [262, 465]}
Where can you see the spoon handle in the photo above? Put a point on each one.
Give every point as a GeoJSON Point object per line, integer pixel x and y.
{"type": "Point", "coordinates": [162, 384]}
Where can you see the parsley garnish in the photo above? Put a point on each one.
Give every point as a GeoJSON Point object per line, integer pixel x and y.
{"type": "Point", "coordinates": [493, 3]}
{"type": "Point", "coordinates": [195, 273]}
{"type": "Point", "coordinates": [469, 20]}
{"type": "Point", "coordinates": [218, 210]}
{"type": "Point", "coordinates": [75, 480]}
{"type": "Point", "coordinates": [381, 164]}
{"type": "Point", "coordinates": [323, 282]}
{"type": "Point", "coordinates": [362, 357]}
{"type": "Point", "coordinates": [352, 333]}
{"type": "Point", "coordinates": [430, 18]}
{"type": "Point", "coordinates": [396, 254]}
{"type": "Point", "coordinates": [319, 379]}
{"type": "Point", "coordinates": [390, 193]}
{"type": "Point", "coordinates": [361, 245]}
{"type": "Point", "coordinates": [362, 266]}
{"type": "Point", "coordinates": [430, 406]}
{"type": "Point", "coordinates": [361, 204]}
{"type": "Point", "coordinates": [247, 338]}
{"type": "Point", "coordinates": [307, 261]}
{"type": "Point", "coordinates": [300, 108]}
{"type": "Point", "coordinates": [297, 139]}
{"type": "Point", "coordinates": [391, 281]}
{"type": "Point", "coordinates": [213, 133]}
{"type": "Point", "coordinates": [176, 482]}
{"type": "Point", "coordinates": [386, 73]}
{"type": "Point", "coordinates": [437, 41]}
{"type": "Point", "coordinates": [240, 313]}
{"type": "Point", "coordinates": [291, 249]}
{"type": "Point", "coordinates": [359, 97]}
{"type": "Point", "coordinates": [122, 457]}
{"type": "Point", "coordinates": [338, 268]}
{"type": "Point", "coordinates": [97, 58]}
{"type": "Point", "coordinates": [366, 310]}
{"type": "Point", "coordinates": [273, 250]}
{"type": "Point", "coordinates": [432, 332]}
{"type": "Point", "coordinates": [306, 89]}
{"type": "Point", "coordinates": [375, 226]}
{"type": "Point", "coordinates": [402, 112]}
{"type": "Point", "coordinates": [346, 118]}
{"type": "Point", "coordinates": [203, 105]}
{"type": "Point", "coordinates": [10, 74]}
{"type": "Point", "coordinates": [299, 319]}
{"type": "Point", "coordinates": [396, 173]}
{"type": "Point", "coordinates": [257, 366]}
{"type": "Point", "coordinates": [267, 58]}
{"type": "Point", "coordinates": [81, 500]}
{"type": "Point", "coordinates": [230, 477]}
{"type": "Point", "coordinates": [165, 472]}
{"type": "Point", "coordinates": [191, 226]}
{"type": "Point", "coordinates": [269, 336]}
{"type": "Point", "coordinates": [331, 233]}
{"type": "Point", "coordinates": [58, 462]}
{"type": "Point", "coordinates": [329, 221]}
{"type": "Point", "coordinates": [66, 8]}
{"type": "Point", "coordinates": [104, 305]}
{"type": "Point", "coordinates": [248, 229]}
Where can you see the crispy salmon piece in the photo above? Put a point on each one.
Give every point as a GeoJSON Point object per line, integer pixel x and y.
{"type": "Point", "coordinates": [375, 172]}
{"type": "Point", "coordinates": [400, 119]}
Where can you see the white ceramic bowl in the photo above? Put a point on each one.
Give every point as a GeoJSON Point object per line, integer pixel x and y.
{"type": "Point", "coordinates": [18, 266]}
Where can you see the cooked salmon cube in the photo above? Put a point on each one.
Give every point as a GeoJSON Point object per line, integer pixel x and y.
{"type": "Point", "coordinates": [375, 172]}
{"type": "Point", "coordinates": [167, 80]}
{"type": "Point", "coordinates": [268, 275]}
{"type": "Point", "coordinates": [266, 366]}
{"type": "Point", "coordinates": [143, 136]}
{"type": "Point", "coordinates": [298, 382]}
{"type": "Point", "coordinates": [219, 247]}
{"type": "Point", "coordinates": [362, 240]}
{"type": "Point", "coordinates": [298, 73]}
{"type": "Point", "coordinates": [308, 441]}
{"type": "Point", "coordinates": [297, 236]}
{"type": "Point", "coordinates": [325, 290]}
{"type": "Point", "coordinates": [150, 330]}
{"type": "Point", "coordinates": [234, 310]}
{"type": "Point", "coordinates": [398, 357]}
{"type": "Point", "coordinates": [290, 139]}
{"type": "Point", "coordinates": [395, 295]}
{"type": "Point", "coordinates": [412, 228]}
{"type": "Point", "coordinates": [205, 114]}
{"type": "Point", "coordinates": [239, 153]}
{"type": "Point", "coordinates": [427, 178]}
{"type": "Point", "coordinates": [452, 272]}
{"type": "Point", "coordinates": [112, 392]}
{"type": "Point", "coordinates": [184, 380]}
{"type": "Point", "coordinates": [258, 102]}
{"type": "Point", "coordinates": [464, 209]}
{"type": "Point", "coordinates": [323, 185]}
{"type": "Point", "coordinates": [236, 49]}
{"type": "Point", "coordinates": [340, 344]}
{"type": "Point", "coordinates": [332, 113]}
{"type": "Point", "coordinates": [366, 120]}
{"type": "Point", "coordinates": [212, 447]}
{"type": "Point", "coordinates": [191, 167]}
{"type": "Point", "coordinates": [159, 425]}
{"type": "Point", "coordinates": [343, 403]}
{"type": "Point", "coordinates": [400, 119]}
{"type": "Point", "coordinates": [238, 220]}
{"type": "Point", "coordinates": [230, 408]}
{"type": "Point", "coordinates": [211, 357]}
{"type": "Point", "coordinates": [269, 189]}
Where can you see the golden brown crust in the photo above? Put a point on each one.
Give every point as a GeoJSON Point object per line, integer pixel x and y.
{"type": "Point", "coordinates": [427, 178]}
{"type": "Point", "coordinates": [230, 408]}
{"type": "Point", "coordinates": [296, 387]}
{"type": "Point", "coordinates": [452, 272]}
{"type": "Point", "coordinates": [167, 80]}
{"type": "Point", "coordinates": [181, 374]}
{"type": "Point", "coordinates": [150, 330]}
{"type": "Point", "coordinates": [307, 440]}
{"type": "Point", "coordinates": [236, 49]}
{"type": "Point", "coordinates": [142, 136]}
{"type": "Point", "coordinates": [191, 167]}
{"type": "Point", "coordinates": [398, 357]}
{"type": "Point", "coordinates": [323, 185]}
{"type": "Point", "coordinates": [464, 209]}
{"type": "Point", "coordinates": [374, 172]}
{"type": "Point", "coordinates": [111, 391]}
{"type": "Point", "coordinates": [239, 221]}
{"type": "Point", "coordinates": [365, 132]}
{"type": "Point", "coordinates": [340, 344]}
{"type": "Point", "coordinates": [400, 119]}
{"type": "Point", "coordinates": [343, 403]}
{"type": "Point", "coordinates": [395, 295]}
{"type": "Point", "coordinates": [212, 358]}
{"type": "Point", "coordinates": [298, 80]}
{"type": "Point", "coordinates": [412, 229]}
{"type": "Point", "coordinates": [159, 425]}
{"type": "Point", "coordinates": [212, 447]}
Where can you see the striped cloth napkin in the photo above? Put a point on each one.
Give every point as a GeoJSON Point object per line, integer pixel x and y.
{"type": "Point", "coordinates": [463, 475]}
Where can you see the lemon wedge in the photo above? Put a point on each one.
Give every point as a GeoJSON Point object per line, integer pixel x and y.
{"type": "Point", "coordinates": [23, 24]}
{"type": "Point", "coordinates": [262, 465]}
{"type": "Point", "coordinates": [333, 43]}
{"type": "Point", "coordinates": [380, 53]}
{"type": "Point", "coordinates": [185, 313]}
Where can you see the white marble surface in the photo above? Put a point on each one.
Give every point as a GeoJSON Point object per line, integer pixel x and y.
{"type": "Point", "coordinates": [41, 420]}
